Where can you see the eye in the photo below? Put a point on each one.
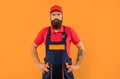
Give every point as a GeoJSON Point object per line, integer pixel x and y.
{"type": "Point", "coordinates": [58, 14]}
{"type": "Point", "coordinates": [53, 14]}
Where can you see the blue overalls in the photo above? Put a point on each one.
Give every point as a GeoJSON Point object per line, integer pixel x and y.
{"type": "Point", "coordinates": [57, 59]}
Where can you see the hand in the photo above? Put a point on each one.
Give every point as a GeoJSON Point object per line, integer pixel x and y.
{"type": "Point", "coordinates": [43, 67]}
{"type": "Point", "coordinates": [72, 68]}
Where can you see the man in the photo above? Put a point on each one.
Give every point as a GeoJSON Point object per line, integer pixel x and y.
{"type": "Point", "coordinates": [57, 39]}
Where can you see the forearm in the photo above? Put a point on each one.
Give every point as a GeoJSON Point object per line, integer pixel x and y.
{"type": "Point", "coordinates": [35, 55]}
{"type": "Point", "coordinates": [79, 56]}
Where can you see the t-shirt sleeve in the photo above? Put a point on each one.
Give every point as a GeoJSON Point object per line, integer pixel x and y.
{"type": "Point", "coordinates": [74, 37]}
{"type": "Point", "coordinates": [39, 38]}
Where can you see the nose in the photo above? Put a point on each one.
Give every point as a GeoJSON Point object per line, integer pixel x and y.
{"type": "Point", "coordinates": [56, 17]}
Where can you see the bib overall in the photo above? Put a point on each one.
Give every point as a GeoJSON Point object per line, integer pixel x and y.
{"type": "Point", "coordinates": [57, 58]}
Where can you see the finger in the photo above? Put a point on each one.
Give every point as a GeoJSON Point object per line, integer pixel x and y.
{"type": "Point", "coordinates": [47, 66]}
{"type": "Point", "coordinates": [70, 70]}
{"type": "Point", "coordinates": [45, 69]}
{"type": "Point", "coordinates": [69, 66]}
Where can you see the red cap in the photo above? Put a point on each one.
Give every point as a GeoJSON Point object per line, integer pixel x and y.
{"type": "Point", "coordinates": [56, 8]}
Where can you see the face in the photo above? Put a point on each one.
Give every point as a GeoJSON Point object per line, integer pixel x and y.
{"type": "Point", "coordinates": [56, 19]}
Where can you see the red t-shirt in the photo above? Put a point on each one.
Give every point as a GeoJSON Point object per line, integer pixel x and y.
{"type": "Point", "coordinates": [57, 36]}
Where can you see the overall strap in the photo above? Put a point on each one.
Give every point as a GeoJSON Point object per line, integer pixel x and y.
{"type": "Point", "coordinates": [49, 32]}
{"type": "Point", "coordinates": [64, 34]}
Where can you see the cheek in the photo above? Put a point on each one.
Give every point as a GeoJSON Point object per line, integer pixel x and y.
{"type": "Point", "coordinates": [60, 17]}
{"type": "Point", "coordinates": [52, 17]}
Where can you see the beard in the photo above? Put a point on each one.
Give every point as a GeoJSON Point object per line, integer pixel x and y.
{"type": "Point", "coordinates": [56, 24]}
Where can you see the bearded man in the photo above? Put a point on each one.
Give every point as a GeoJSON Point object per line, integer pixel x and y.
{"type": "Point", "coordinates": [57, 39]}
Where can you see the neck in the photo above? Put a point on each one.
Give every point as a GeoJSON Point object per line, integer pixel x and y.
{"type": "Point", "coordinates": [56, 30]}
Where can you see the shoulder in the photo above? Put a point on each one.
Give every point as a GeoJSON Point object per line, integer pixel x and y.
{"type": "Point", "coordinates": [69, 29]}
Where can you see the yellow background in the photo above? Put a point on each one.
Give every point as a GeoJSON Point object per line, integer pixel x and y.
{"type": "Point", "coordinates": [97, 23]}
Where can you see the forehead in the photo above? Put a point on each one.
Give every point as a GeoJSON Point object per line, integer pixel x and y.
{"type": "Point", "coordinates": [56, 12]}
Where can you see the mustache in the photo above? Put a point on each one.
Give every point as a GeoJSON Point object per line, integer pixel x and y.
{"type": "Point", "coordinates": [56, 20]}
